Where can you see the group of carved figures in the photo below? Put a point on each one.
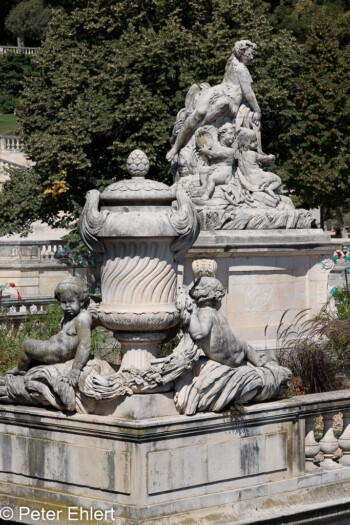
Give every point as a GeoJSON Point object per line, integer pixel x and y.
{"type": "Point", "coordinates": [216, 154]}
{"type": "Point", "coordinates": [221, 173]}
{"type": "Point", "coordinates": [209, 369]}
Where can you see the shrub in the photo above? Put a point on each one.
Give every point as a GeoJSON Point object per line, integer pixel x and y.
{"type": "Point", "coordinates": [317, 351]}
{"type": "Point", "coordinates": [342, 302]}
{"type": "Point", "coordinates": [33, 327]}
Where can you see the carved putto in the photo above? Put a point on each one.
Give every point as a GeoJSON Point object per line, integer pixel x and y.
{"type": "Point", "coordinates": [217, 155]}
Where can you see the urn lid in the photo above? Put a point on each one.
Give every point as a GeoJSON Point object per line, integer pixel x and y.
{"type": "Point", "coordinates": [138, 189]}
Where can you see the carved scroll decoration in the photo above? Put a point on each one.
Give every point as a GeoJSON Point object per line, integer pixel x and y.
{"type": "Point", "coordinates": [91, 221]}
{"type": "Point", "coordinates": [185, 222]}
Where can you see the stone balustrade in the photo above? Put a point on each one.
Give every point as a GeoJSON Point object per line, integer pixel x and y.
{"type": "Point", "coordinates": [16, 49]}
{"type": "Point", "coordinates": [4, 166]}
{"type": "Point", "coordinates": [11, 144]}
{"type": "Point", "coordinates": [29, 251]}
{"type": "Point", "coordinates": [12, 155]}
{"type": "Point", "coordinates": [335, 451]}
{"type": "Point", "coordinates": [14, 311]}
{"type": "Point", "coordinates": [329, 445]}
{"type": "Point", "coordinates": [48, 251]}
{"type": "Point", "coordinates": [33, 265]}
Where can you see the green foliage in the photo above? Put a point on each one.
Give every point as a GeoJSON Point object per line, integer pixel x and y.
{"type": "Point", "coordinates": [14, 68]}
{"type": "Point", "coordinates": [29, 19]}
{"type": "Point", "coordinates": [5, 8]}
{"type": "Point", "coordinates": [317, 143]}
{"type": "Point", "coordinates": [105, 347]}
{"type": "Point", "coordinates": [112, 77]}
{"type": "Point", "coordinates": [342, 302]}
{"type": "Point", "coordinates": [296, 15]}
{"type": "Point", "coordinates": [166, 349]}
{"type": "Point", "coordinates": [21, 200]}
{"type": "Point", "coordinates": [33, 327]}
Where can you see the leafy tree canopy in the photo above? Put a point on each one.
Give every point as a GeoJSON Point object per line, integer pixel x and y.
{"type": "Point", "coordinates": [29, 19]}
{"type": "Point", "coordinates": [14, 68]}
{"type": "Point", "coordinates": [111, 76]}
{"type": "Point", "coordinates": [317, 160]}
{"type": "Point", "coordinates": [5, 8]}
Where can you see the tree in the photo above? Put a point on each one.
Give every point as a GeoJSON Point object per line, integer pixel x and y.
{"type": "Point", "coordinates": [5, 8]}
{"type": "Point", "coordinates": [29, 19]}
{"type": "Point", "coordinates": [318, 141]}
{"type": "Point", "coordinates": [112, 77]}
{"type": "Point", "coordinates": [14, 68]}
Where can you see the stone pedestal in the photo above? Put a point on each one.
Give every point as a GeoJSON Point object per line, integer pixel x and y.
{"type": "Point", "coordinates": [265, 272]}
{"type": "Point", "coordinates": [144, 469]}
{"type": "Point", "coordinates": [239, 468]}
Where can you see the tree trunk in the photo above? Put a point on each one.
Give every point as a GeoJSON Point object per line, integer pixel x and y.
{"type": "Point", "coordinates": [343, 231]}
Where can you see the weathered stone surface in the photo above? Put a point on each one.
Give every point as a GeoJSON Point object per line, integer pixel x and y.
{"type": "Point", "coordinates": [211, 468]}
{"type": "Point", "coordinates": [265, 273]}
{"type": "Point", "coordinates": [142, 228]}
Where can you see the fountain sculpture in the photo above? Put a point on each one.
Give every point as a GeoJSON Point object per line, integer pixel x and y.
{"type": "Point", "coordinates": [142, 228]}
{"type": "Point", "coordinates": [216, 155]}
{"type": "Point", "coordinates": [145, 440]}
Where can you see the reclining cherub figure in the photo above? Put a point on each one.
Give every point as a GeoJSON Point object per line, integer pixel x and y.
{"type": "Point", "coordinates": [73, 339]}
{"type": "Point", "coordinates": [199, 312]}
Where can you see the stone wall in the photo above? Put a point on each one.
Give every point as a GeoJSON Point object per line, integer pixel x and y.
{"type": "Point", "coordinates": [32, 266]}
{"type": "Point", "coordinates": [266, 273]}
{"type": "Point", "coordinates": [243, 467]}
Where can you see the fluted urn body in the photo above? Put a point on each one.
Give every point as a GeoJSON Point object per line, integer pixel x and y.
{"type": "Point", "coordinates": [142, 228]}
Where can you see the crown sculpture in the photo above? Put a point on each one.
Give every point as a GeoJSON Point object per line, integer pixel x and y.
{"type": "Point", "coordinates": [142, 229]}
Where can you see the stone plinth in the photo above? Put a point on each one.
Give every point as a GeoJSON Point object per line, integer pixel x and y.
{"type": "Point", "coordinates": [227, 468]}
{"type": "Point", "coordinates": [265, 274]}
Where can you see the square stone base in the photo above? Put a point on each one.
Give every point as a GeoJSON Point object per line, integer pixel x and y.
{"type": "Point", "coordinates": [207, 468]}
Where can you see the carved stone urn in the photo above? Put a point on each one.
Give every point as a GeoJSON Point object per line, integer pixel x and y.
{"type": "Point", "coordinates": [142, 229]}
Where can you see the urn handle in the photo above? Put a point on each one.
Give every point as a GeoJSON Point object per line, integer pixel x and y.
{"type": "Point", "coordinates": [185, 222]}
{"type": "Point", "coordinates": [91, 221]}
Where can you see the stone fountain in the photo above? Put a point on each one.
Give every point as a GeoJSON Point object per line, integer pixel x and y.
{"type": "Point", "coordinates": [168, 439]}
